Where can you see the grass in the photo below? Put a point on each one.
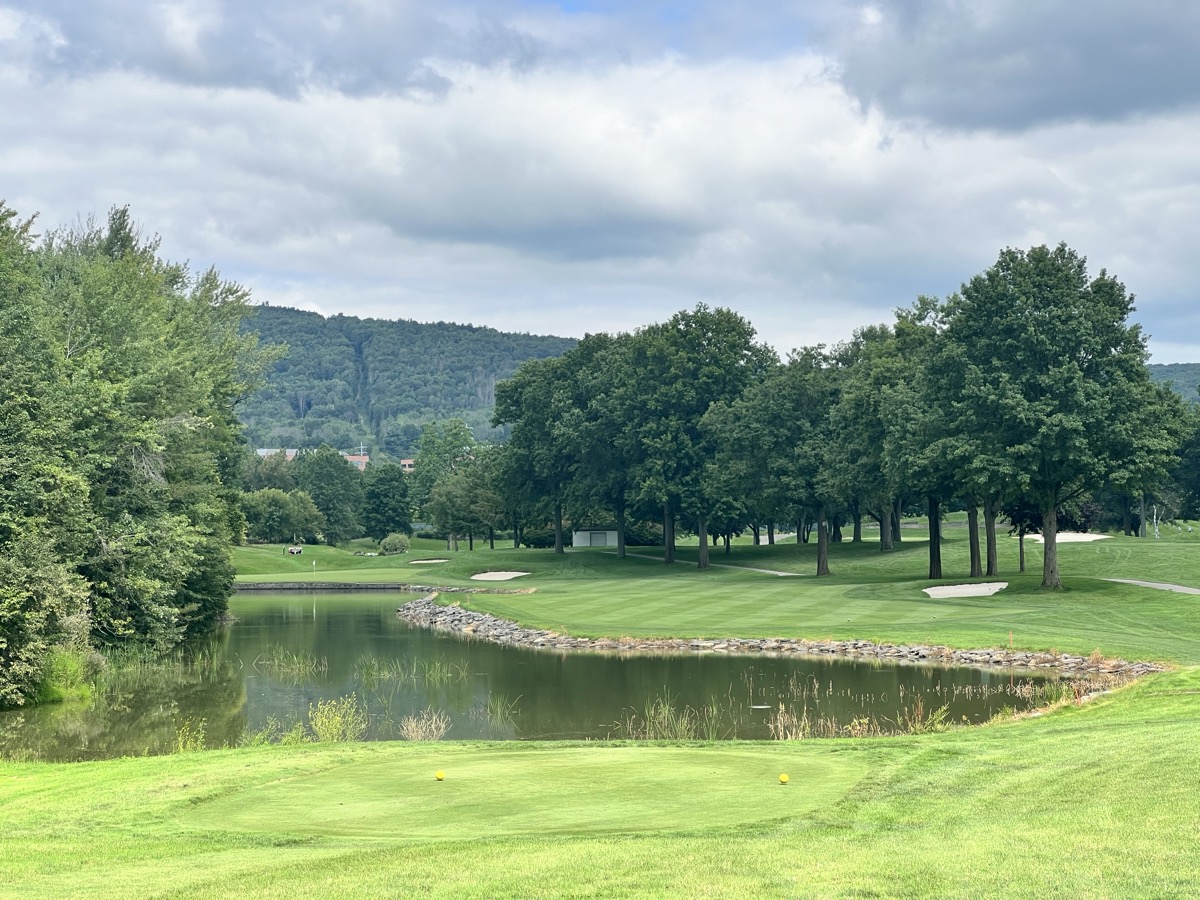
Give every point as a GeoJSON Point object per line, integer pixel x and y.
{"type": "Point", "coordinates": [872, 595]}
{"type": "Point", "coordinates": [1092, 800]}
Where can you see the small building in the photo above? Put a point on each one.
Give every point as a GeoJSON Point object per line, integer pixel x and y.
{"type": "Point", "coordinates": [358, 460]}
{"type": "Point", "coordinates": [594, 537]}
{"type": "Point", "coordinates": [288, 452]}
{"type": "Point", "coordinates": [408, 464]}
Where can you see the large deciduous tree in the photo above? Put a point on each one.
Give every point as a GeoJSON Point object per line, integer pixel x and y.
{"type": "Point", "coordinates": [1055, 376]}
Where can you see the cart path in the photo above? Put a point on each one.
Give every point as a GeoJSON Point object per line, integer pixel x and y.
{"type": "Point", "coordinates": [728, 566]}
{"type": "Point", "coordinates": [1158, 585]}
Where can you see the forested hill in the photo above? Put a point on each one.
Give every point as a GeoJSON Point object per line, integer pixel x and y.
{"type": "Point", "coordinates": [347, 380]}
{"type": "Point", "coordinates": [1183, 377]}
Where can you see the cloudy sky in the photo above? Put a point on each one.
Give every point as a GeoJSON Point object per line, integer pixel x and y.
{"type": "Point", "coordinates": [594, 165]}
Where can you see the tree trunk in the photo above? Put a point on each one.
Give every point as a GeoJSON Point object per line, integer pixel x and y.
{"type": "Point", "coordinates": [1021, 543]}
{"type": "Point", "coordinates": [973, 539]}
{"type": "Point", "coordinates": [1127, 515]}
{"type": "Point", "coordinates": [471, 541]}
{"type": "Point", "coordinates": [771, 533]}
{"type": "Point", "coordinates": [757, 534]}
{"type": "Point", "coordinates": [1050, 576]}
{"type": "Point", "coordinates": [558, 528]}
{"type": "Point", "coordinates": [621, 530]}
{"type": "Point", "coordinates": [800, 530]}
{"type": "Point", "coordinates": [856, 513]}
{"type": "Point", "coordinates": [727, 537]}
{"type": "Point", "coordinates": [897, 511]}
{"type": "Point", "coordinates": [989, 530]}
{"type": "Point", "coordinates": [702, 531]}
{"type": "Point", "coordinates": [885, 530]}
{"type": "Point", "coordinates": [668, 534]}
{"type": "Point", "coordinates": [835, 534]}
{"type": "Point", "coordinates": [516, 533]}
{"type": "Point", "coordinates": [1142, 515]}
{"type": "Point", "coordinates": [935, 537]}
{"type": "Point", "coordinates": [822, 544]}
{"type": "Point", "coordinates": [491, 538]}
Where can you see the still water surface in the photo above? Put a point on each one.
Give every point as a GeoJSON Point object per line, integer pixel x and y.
{"type": "Point", "coordinates": [286, 652]}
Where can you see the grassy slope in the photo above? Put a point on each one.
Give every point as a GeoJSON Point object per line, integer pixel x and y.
{"type": "Point", "coordinates": [1100, 800]}
{"type": "Point", "coordinates": [871, 595]}
{"type": "Point", "coordinates": [1092, 801]}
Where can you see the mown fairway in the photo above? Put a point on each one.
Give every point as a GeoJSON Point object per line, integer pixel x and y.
{"type": "Point", "coordinates": [870, 595]}
{"type": "Point", "coordinates": [1100, 800]}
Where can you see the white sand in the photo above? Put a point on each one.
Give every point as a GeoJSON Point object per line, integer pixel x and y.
{"type": "Point", "coordinates": [1073, 537]}
{"type": "Point", "coordinates": [966, 590]}
{"type": "Point", "coordinates": [425, 562]}
{"type": "Point", "coordinates": [497, 576]}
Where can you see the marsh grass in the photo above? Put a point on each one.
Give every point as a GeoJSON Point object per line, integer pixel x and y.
{"type": "Point", "coordinates": [499, 710]}
{"type": "Point", "coordinates": [428, 725]}
{"type": "Point", "coordinates": [373, 671]}
{"type": "Point", "coordinates": [338, 720]}
{"type": "Point", "coordinates": [279, 660]}
{"type": "Point", "coordinates": [663, 719]}
{"type": "Point", "coordinates": [189, 735]}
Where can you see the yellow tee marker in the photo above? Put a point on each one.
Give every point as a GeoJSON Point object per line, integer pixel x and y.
{"type": "Point", "coordinates": [439, 775]}
{"type": "Point", "coordinates": [783, 779]}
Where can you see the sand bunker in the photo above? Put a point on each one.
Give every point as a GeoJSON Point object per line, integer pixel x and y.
{"type": "Point", "coordinates": [966, 590]}
{"type": "Point", "coordinates": [425, 562]}
{"type": "Point", "coordinates": [497, 576]}
{"type": "Point", "coordinates": [1073, 537]}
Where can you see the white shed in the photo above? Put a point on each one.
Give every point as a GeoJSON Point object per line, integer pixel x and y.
{"type": "Point", "coordinates": [594, 537]}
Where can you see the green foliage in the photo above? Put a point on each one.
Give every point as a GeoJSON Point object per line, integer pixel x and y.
{"type": "Point", "coordinates": [346, 379]}
{"type": "Point", "coordinates": [336, 489]}
{"type": "Point", "coordinates": [394, 544]}
{"type": "Point", "coordinates": [337, 720]}
{"type": "Point", "coordinates": [275, 517]}
{"type": "Point", "coordinates": [118, 497]}
{"type": "Point", "coordinates": [386, 505]}
{"type": "Point", "coordinates": [1183, 378]}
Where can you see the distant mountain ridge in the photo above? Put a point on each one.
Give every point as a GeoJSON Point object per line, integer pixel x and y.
{"type": "Point", "coordinates": [1184, 378]}
{"type": "Point", "coordinates": [347, 380]}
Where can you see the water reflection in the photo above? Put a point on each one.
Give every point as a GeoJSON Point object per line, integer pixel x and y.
{"type": "Point", "coordinates": [287, 652]}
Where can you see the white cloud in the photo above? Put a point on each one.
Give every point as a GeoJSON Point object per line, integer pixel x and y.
{"type": "Point", "coordinates": [581, 195]}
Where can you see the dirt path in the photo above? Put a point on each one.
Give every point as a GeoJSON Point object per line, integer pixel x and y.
{"type": "Point", "coordinates": [1157, 585]}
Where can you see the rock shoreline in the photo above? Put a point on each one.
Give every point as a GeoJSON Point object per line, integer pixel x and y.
{"type": "Point", "coordinates": [427, 613]}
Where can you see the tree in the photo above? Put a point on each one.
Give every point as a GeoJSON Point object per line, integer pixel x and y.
{"type": "Point", "coordinates": [276, 517]}
{"type": "Point", "coordinates": [1052, 365]}
{"type": "Point", "coordinates": [336, 488]}
{"type": "Point", "coordinates": [445, 447]}
{"type": "Point", "coordinates": [386, 508]}
{"type": "Point", "coordinates": [677, 370]}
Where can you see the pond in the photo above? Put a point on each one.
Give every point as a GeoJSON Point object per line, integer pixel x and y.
{"type": "Point", "coordinates": [287, 652]}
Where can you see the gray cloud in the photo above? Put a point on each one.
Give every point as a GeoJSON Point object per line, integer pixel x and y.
{"type": "Point", "coordinates": [993, 64]}
{"type": "Point", "coordinates": [281, 46]}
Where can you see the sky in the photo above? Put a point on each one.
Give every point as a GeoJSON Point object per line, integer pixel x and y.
{"type": "Point", "coordinates": [574, 167]}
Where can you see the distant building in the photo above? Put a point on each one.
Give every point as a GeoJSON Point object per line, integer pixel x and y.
{"type": "Point", "coordinates": [272, 451]}
{"type": "Point", "coordinates": [407, 464]}
{"type": "Point", "coordinates": [358, 460]}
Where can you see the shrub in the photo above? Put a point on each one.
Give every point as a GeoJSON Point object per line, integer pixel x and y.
{"type": "Point", "coordinates": [394, 544]}
{"type": "Point", "coordinates": [428, 725]}
{"type": "Point", "coordinates": [337, 721]}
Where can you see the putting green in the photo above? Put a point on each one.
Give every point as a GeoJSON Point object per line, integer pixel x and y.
{"type": "Point", "coordinates": [497, 792]}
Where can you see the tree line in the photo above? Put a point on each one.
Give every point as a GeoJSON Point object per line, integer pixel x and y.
{"type": "Point", "coordinates": [119, 449]}
{"type": "Point", "coordinates": [1026, 393]}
